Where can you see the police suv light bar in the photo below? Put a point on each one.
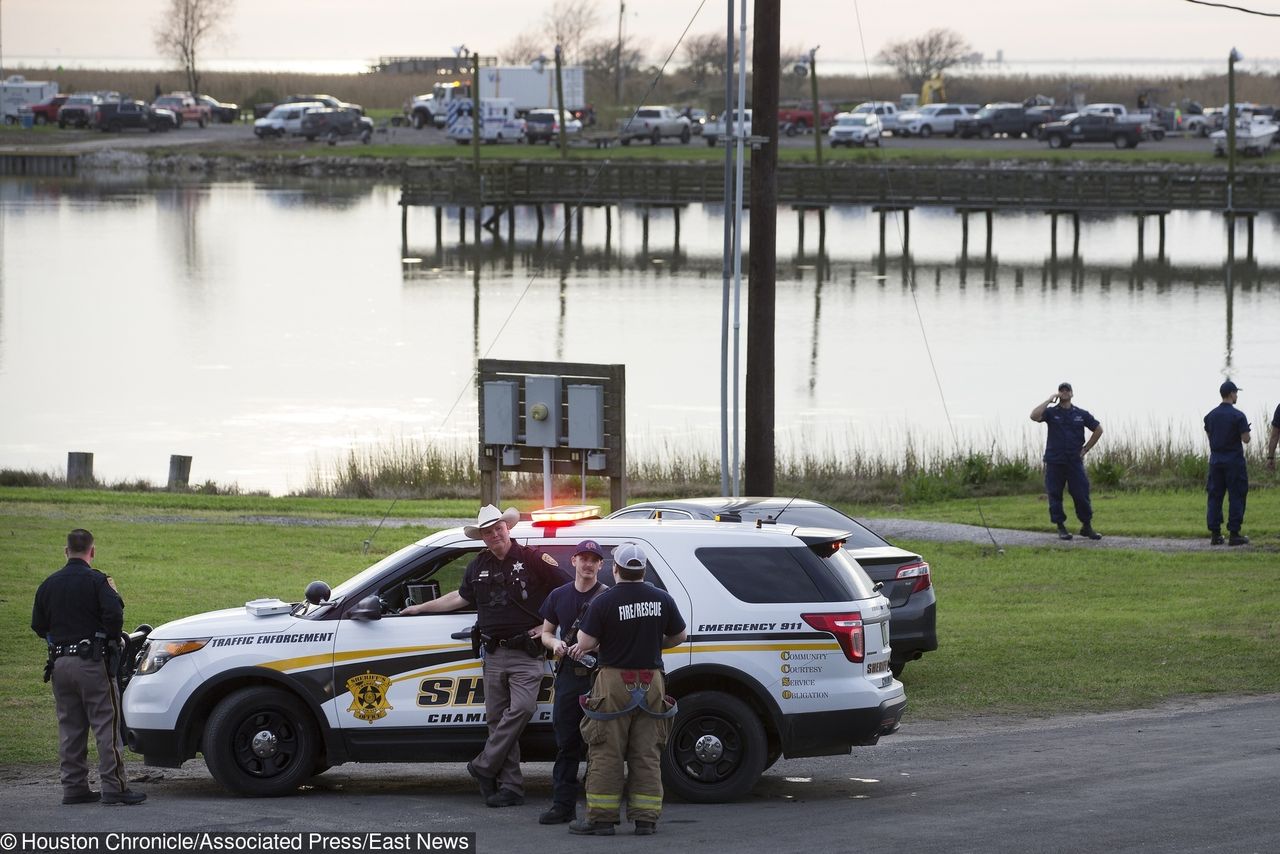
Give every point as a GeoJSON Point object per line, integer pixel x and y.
{"type": "Point", "coordinates": [565, 514]}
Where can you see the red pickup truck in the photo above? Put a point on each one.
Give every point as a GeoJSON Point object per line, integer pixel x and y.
{"type": "Point", "coordinates": [186, 107]}
{"type": "Point", "coordinates": [799, 118]}
{"type": "Point", "coordinates": [46, 112]}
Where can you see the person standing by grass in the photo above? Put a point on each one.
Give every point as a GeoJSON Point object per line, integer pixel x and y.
{"type": "Point", "coordinates": [1228, 432]}
{"type": "Point", "coordinates": [1064, 451]}
{"type": "Point", "coordinates": [1273, 440]}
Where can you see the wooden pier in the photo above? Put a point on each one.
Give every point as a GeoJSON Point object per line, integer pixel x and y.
{"type": "Point", "coordinates": [1073, 189]}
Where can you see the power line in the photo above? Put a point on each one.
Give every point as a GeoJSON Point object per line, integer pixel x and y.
{"type": "Point", "coordinates": [1236, 8]}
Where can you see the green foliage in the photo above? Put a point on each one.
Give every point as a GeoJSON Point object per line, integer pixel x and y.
{"type": "Point", "coordinates": [1106, 474]}
{"type": "Point", "coordinates": [976, 469]}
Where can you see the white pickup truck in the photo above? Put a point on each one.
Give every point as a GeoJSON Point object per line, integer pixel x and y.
{"type": "Point", "coordinates": [714, 130]}
{"type": "Point", "coordinates": [887, 111]}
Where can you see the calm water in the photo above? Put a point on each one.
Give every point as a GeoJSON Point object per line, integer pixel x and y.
{"type": "Point", "coordinates": [263, 328]}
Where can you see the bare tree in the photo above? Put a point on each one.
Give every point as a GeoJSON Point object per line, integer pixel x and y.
{"type": "Point", "coordinates": [568, 24]}
{"type": "Point", "coordinates": [186, 27]}
{"type": "Point", "coordinates": [602, 58]}
{"type": "Point", "coordinates": [918, 59]}
{"type": "Point", "coordinates": [704, 56]}
{"type": "Point", "coordinates": [525, 48]}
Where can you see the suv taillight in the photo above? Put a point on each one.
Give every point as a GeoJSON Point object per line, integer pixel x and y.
{"type": "Point", "coordinates": [97, 116]}
{"type": "Point", "coordinates": [920, 572]}
{"type": "Point", "coordinates": [847, 628]}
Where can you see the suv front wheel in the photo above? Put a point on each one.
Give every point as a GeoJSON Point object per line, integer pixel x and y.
{"type": "Point", "coordinates": [717, 749]}
{"type": "Point", "coordinates": [260, 742]}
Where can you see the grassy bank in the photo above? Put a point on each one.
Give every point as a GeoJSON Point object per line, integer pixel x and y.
{"type": "Point", "coordinates": [1030, 632]}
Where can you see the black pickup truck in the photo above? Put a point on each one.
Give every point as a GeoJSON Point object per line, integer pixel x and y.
{"type": "Point", "coordinates": [1090, 128]}
{"type": "Point", "coordinates": [118, 115]}
{"type": "Point", "coordinates": [996, 119]}
{"type": "Point", "coordinates": [334, 124]}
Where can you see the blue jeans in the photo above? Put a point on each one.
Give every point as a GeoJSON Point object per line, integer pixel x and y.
{"type": "Point", "coordinates": [1232, 480]}
{"type": "Point", "coordinates": [566, 715]}
{"type": "Point", "coordinates": [1072, 475]}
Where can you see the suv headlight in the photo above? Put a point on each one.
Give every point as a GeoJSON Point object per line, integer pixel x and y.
{"type": "Point", "coordinates": [158, 652]}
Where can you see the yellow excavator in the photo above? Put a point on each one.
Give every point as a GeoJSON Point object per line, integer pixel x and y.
{"type": "Point", "coordinates": [934, 91]}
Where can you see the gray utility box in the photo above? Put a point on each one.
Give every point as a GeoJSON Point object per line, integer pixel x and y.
{"type": "Point", "coordinates": [501, 412]}
{"type": "Point", "coordinates": [542, 412]}
{"type": "Point", "coordinates": [586, 416]}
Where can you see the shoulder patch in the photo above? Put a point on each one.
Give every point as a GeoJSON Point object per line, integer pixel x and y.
{"type": "Point", "coordinates": [548, 559]}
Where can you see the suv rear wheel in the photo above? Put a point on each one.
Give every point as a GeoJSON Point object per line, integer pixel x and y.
{"type": "Point", "coordinates": [260, 742]}
{"type": "Point", "coordinates": [717, 749]}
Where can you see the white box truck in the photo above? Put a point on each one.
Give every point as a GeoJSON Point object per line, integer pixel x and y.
{"type": "Point", "coordinates": [527, 88]}
{"type": "Point", "coordinates": [17, 91]}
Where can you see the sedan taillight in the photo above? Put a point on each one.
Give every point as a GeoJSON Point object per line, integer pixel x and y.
{"type": "Point", "coordinates": [920, 572]}
{"type": "Point", "coordinates": [847, 629]}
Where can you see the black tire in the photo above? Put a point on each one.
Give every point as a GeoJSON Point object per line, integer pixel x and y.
{"type": "Point", "coordinates": [711, 142]}
{"type": "Point", "coordinates": [626, 141]}
{"type": "Point", "coordinates": [877, 142]}
{"type": "Point", "coordinates": [311, 137]}
{"type": "Point", "coordinates": [1055, 140]}
{"type": "Point", "coordinates": [201, 122]}
{"type": "Point", "coordinates": [1121, 141]}
{"type": "Point", "coordinates": [419, 121]}
{"type": "Point", "coordinates": [925, 131]}
{"type": "Point", "coordinates": [178, 119]}
{"type": "Point", "coordinates": [986, 132]}
{"type": "Point", "coordinates": [717, 750]}
{"type": "Point", "coordinates": [896, 667]}
{"type": "Point", "coordinates": [686, 135]}
{"type": "Point", "coordinates": [1158, 135]}
{"type": "Point", "coordinates": [280, 727]}
{"type": "Point", "coordinates": [655, 137]}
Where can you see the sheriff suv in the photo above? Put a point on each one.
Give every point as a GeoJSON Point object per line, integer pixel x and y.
{"type": "Point", "coordinates": [787, 656]}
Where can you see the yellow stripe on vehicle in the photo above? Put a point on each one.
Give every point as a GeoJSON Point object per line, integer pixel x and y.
{"type": "Point", "coordinates": [355, 655]}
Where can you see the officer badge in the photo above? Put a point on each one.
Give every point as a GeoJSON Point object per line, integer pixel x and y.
{"type": "Point", "coordinates": [548, 559]}
{"type": "Point", "coordinates": [369, 696]}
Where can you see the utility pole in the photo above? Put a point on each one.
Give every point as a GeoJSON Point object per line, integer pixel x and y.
{"type": "Point", "coordinates": [563, 141]}
{"type": "Point", "coordinates": [728, 260]}
{"type": "Point", "coordinates": [758, 460]}
{"type": "Point", "coordinates": [817, 113]}
{"type": "Point", "coordinates": [475, 115]}
{"type": "Point", "coordinates": [617, 55]}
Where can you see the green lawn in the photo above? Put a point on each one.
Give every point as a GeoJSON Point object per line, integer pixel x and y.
{"type": "Point", "coordinates": [1033, 631]}
{"type": "Point", "coordinates": [1142, 514]}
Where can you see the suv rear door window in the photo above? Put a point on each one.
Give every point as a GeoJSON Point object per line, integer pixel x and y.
{"type": "Point", "coordinates": [794, 574]}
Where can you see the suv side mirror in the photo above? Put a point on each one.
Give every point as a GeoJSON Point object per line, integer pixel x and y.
{"type": "Point", "coordinates": [368, 608]}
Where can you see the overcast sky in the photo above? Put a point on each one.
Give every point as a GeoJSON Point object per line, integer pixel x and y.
{"type": "Point", "coordinates": [364, 29]}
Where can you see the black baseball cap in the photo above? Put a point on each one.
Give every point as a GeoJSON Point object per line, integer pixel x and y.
{"type": "Point", "coordinates": [1227, 388]}
{"type": "Point", "coordinates": [1065, 387]}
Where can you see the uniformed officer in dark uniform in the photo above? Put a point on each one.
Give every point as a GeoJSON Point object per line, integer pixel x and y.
{"type": "Point", "coordinates": [79, 614]}
{"type": "Point", "coordinates": [562, 614]}
{"type": "Point", "coordinates": [1228, 431]}
{"type": "Point", "coordinates": [508, 583]}
{"type": "Point", "coordinates": [1064, 451]}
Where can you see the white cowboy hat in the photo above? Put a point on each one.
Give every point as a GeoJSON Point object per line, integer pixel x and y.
{"type": "Point", "coordinates": [489, 516]}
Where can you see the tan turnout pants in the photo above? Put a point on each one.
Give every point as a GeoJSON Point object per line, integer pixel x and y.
{"type": "Point", "coordinates": [634, 741]}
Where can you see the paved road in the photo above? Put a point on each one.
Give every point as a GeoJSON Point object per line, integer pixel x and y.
{"type": "Point", "coordinates": [1196, 775]}
{"type": "Point", "coordinates": [240, 136]}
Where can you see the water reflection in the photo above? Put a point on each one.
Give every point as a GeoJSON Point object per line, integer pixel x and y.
{"type": "Point", "coordinates": [307, 331]}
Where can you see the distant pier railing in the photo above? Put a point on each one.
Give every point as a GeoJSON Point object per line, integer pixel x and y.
{"type": "Point", "coordinates": [37, 164]}
{"type": "Point", "coordinates": [1006, 187]}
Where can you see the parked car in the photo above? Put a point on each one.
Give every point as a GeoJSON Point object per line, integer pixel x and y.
{"type": "Point", "coordinates": [46, 112]}
{"type": "Point", "coordinates": [186, 107]}
{"type": "Point", "coordinates": [698, 120]}
{"type": "Point", "coordinates": [78, 110]}
{"type": "Point", "coordinates": [798, 118]}
{"type": "Point", "coordinates": [334, 125]}
{"type": "Point", "coordinates": [655, 124]}
{"type": "Point", "coordinates": [112, 116]}
{"type": "Point", "coordinates": [260, 110]}
{"type": "Point", "coordinates": [886, 111]}
{"type": "Point", "coordinates": [1039, 116]}
{"type": "Point", "coordinates": [787, 655]}
{"type": "Point", "coordinates": [905, 575]}
{"type": "Point", "coordinates": [714, 130]}
{"type": "Point", "coordinates": [995, 119]}
{"type": "Point", "coordinates": [284, 120]}
{"type": "Point", "coordinates": [544, 125]}
{"type": "Point", "coordinates": [850, 129]}
{"type": "Point", "coordinates": [224, 113]}
{"type": "Point", "coordinates": [1095, 128]}
{"type": "Point", "coordinates": [933, 118]}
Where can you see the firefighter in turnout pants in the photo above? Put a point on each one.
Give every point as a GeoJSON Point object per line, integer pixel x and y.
{"type": "Point", "coordinates": [627, 715]}
{"type": "Point", "coordinates": [80, 615]}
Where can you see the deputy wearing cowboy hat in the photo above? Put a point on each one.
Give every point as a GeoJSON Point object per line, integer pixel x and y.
{"type": "Point", "coordinates": [508, 583]}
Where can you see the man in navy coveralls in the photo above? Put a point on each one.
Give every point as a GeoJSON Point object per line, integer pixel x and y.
{"type": "Point", "coordinates": [1228, 432]}
{"type": "Point", "coordinates": [1064, 451]}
